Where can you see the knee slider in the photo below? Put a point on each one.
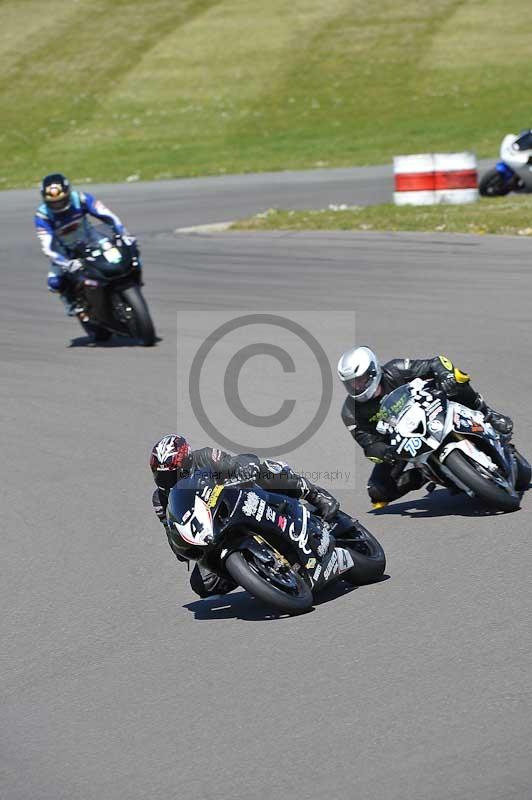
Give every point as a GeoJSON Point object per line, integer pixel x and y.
{"type": "Point", "coordinates": [377, 493]}
{"type": "Point", "coordinates": [197, 583]}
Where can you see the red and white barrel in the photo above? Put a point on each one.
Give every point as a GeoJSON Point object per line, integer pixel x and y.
{"type": "Point", "coordinates": [428, 178]}
{"type": "Point", "coordinates": [455, 177]}
{"type": "Point", "coordinates": [414, 180]}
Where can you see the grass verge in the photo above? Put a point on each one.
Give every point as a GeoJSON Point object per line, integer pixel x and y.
{"type": "Point", "coordinates": [507, 216]}
{"type": "Point", "coordinates": [110, 89]}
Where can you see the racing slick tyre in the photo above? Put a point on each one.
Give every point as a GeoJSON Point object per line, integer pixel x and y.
{"type": "Point", "coordinates": [485, 489]}
{"type": "Point", "coordinates": [492, 184]}
{"type": "Point", "coordinates": [524, 472]}
{"type": "Point", "coordinates": [141, 325]}
{"type": "Point", "coordinates": [368, 556]}
{"type": "Point", "coordinates": [285, 591]}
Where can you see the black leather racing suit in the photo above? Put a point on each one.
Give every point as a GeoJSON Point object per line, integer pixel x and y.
{"type": "Point", "coordinates": [388, 481]}
{"type": "Point", "coordinates": [273, 476]}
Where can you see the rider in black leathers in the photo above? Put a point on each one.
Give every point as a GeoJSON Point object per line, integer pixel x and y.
{"type": "Point", "coordinates": [172, 459]}
{"type": "Point", "coordinates": [367, 382]}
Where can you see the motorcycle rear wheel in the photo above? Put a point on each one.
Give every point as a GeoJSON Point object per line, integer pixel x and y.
{"type": "Point", "coordinates": [492, 184]}
{"type": "Point", "coordinates": [486, 490]}
{"type": "Point", "coordinates": [368, 557]}
{"type": "Point", "coordinates": [250, 573]}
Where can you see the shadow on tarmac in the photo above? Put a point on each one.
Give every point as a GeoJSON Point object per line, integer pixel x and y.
{"type": "Point", "coordinates": [241, 605]}
{"type": "Point", "coordinates": [439, 503]}
{"type": "Point", "coordinates": [115, 341]}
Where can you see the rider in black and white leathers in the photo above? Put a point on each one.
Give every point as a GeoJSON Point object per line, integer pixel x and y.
{"type": "Point", "coordinates": [388, 480]}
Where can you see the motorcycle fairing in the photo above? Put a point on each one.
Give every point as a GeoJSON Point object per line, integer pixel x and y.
{"type": "Point", "coordinates": [195, 527]}
{"type": "Point", "coordinates": [512, 155]}
{"type": "Point", "coordinates": [470, 423]}
{"type": "Point", "coordinates": [417, 434]}
{"type": "Point", "coordinates": [506, 172]}
{"type": "Point", "coordinates": [254, 510]}
{"type": "Point", "coordinates": [469, 449]}
{"type": "Point", "coordinates": [414, 421]}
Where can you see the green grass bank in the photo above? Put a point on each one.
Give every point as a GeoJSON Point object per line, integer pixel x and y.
{"type": "Point", "coordinates": [106, 89]}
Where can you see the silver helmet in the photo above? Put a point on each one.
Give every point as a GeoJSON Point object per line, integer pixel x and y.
{"type": "Point", "coordinates": [360, 372]}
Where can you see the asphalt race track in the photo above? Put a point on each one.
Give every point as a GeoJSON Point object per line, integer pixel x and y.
{"type": "Point", "coordinates": [117, 683]}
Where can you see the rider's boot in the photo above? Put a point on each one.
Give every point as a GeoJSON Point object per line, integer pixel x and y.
{"type": "Point", "coordinates": [72, 307]}
{"type": "Point", "coordinates": [379, 498]}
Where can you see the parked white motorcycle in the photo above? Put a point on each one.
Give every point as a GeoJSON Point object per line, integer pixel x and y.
{"type": "Point", "coordinates": [453, 445]}
{"type": "Point", "coordinates": [513, 173]}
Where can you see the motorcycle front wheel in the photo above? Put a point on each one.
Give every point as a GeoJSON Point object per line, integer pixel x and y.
{"type": "Point", "coordinates": [139, 323]}
{"type": "Point", "coordinates": [493, 184]}
{"type": "Point", "coordinates": [283, 590]}
{"type": "Point", "coordinates": [485, 489]}
{"type": "Point", "coordinates": [367, 554]}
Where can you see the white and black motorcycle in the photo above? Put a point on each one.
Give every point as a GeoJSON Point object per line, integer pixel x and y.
{"type": "Point", "coordinates": [513, 173]}
{"type": "Point", "coordinates": [453, 445]}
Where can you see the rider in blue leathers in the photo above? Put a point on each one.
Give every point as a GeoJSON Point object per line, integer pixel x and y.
{"type": "Point", "coordinates": [61, 222]}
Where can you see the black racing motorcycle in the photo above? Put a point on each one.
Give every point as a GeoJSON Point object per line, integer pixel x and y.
{"type": "Point", "coordinates": [271, 545]}
{"type": "Point", "coordinates": [108, 288]}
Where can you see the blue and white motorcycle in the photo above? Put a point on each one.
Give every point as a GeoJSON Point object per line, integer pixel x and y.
{"type": "Point", "coordinates": [453, 445]}
{"type": "Point", "coordinates": [513, 173]}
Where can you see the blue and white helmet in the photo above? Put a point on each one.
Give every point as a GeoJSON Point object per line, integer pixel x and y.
{"type": "Point", "coordinates": [360, 372]}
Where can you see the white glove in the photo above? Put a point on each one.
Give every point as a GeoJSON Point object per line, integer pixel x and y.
{"type": "Point", "coordinates": [127, 238]}
{"type": "Point", "coordinates": [73, 265]}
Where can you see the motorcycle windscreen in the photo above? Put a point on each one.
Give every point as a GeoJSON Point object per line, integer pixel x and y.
{"type": "Point", "coordinates": [190, 515]}
{"type": "Point", "coordinates": [108, 260]}
{"type": "Point", "coordinates": [394, 404]}
{"type": "Point", "coordinates": [182, 499]}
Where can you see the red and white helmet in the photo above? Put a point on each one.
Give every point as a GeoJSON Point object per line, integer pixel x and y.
{"type": "Point", "coordinates": [169, 459]}
{"type": "Point", "coordinates": [360, 372]}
